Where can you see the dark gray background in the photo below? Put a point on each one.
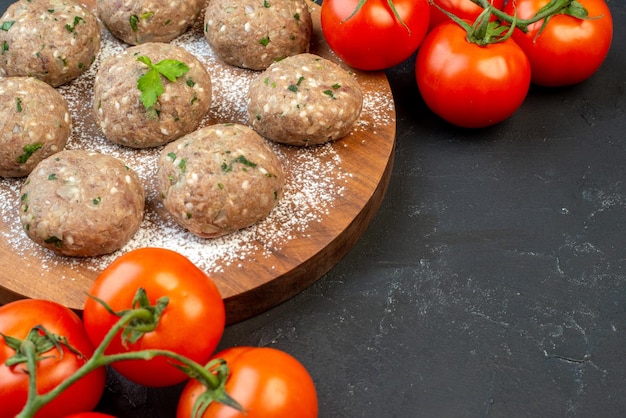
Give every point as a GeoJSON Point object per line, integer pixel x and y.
{"type": "Point", "coordinates": [492, 281]}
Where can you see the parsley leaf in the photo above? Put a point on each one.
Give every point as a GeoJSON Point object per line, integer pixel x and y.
{"type": "Point", "coordinates": [150, 83]}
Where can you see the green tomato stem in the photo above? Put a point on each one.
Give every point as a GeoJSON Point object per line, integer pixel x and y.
{"type": "Point", "coordinates": [552, 8]}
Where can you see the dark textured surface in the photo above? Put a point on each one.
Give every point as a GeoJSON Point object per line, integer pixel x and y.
{"type": "Point", "coordinates": [490, 283]}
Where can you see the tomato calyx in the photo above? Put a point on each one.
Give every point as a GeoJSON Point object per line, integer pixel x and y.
{"type": "Point", "coordinates": [483, 31]}
{"type": "Point", "coordinates": [37, 342]}
{"type": "Point", "coordinates": [220, 371]}
{"type": "Point", "coordinates": [145, 318]}
{"type": "Point", "coordinates": [391, 6]}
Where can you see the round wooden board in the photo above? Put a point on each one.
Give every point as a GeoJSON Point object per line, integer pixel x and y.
{"type": "Point", "coordinates": [269, 273]}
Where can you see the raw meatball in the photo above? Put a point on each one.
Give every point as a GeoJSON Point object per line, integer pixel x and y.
{"type": "Point", "coordinates": [140, 21]}
{"type": "Point", "coordinates": [304, 100]}
{"type": "Point", "coordinates": [255, 33]}
{"type": "Point", "coordinates": [82, 203]}
{"type": "Point", "coordinates": [53, 40]}
{"type": "Point", "coordinates": [219, 179]}
{"type": "Point", "coordinates": [125, 119]}
{"type": "Point", "coordinates": [26, 136]}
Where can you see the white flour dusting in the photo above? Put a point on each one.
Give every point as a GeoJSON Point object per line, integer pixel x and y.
{"type": "Point", "coordinates": [315, 176]}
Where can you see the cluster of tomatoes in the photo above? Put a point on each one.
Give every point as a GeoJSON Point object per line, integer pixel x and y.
{"type": "Point", "coordinates": [475, 59]}
{"type": "Point", "coordinates": [157, 319]}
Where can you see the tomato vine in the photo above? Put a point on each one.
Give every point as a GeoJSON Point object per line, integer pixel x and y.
{"type": "Point", "coordinates": [133, 323]}
{"type": "Point", "coordinates": [484, 31]}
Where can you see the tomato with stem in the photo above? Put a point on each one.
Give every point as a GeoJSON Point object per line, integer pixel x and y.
{"type": "Point", "coordinates": [565, 48]}
{"type": "Point", "coordinates": [468, 84]}
{"type": "Point", "coordinates": [374, 34]}
{"type": "Point", "coordinates": [188, 304]}
{"type": "Point", "coordinates": [265, 381]}
{"type": "Point", "coordinates": [56, 336]}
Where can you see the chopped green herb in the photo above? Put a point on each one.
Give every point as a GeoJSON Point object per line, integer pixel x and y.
{"type": "Point", "coordinates": [58, 242]}
{"type": "Point", "coordinates": [24, 197]}
{"type": "Point", "coordinates": [330, 94]}
{"type": "Point", "coordinates": [29, 150]}
{"type": "Point", "coordinates": [188, 215]}
{"type": "Point", "coordinates": [18, 105]}
{"type": "Point", "coordinates": [5, 47]}
{"type": "Point", "coordinates": [172, 156]}
{"type": "Point", "coordinates": [50, 10]}
{"type": "Point", "coordinates": [97, 200]}
{"type": "Point", "coordinates": [336, 86]}
{"type": "Point", "coordinates": [297, 17]}
{"type": "Point", "coordinates": [147, 15]}
{"type": "Point", "coordinates": [264, 41]}
{"type": "Point", "coordinates": [77, 20]}
{"type": "Point", "coordinates": [241, 159]}
{"type": "Point", "coordinates": [220, 186]}
{"type": "Point", "coordinates": [266, 4]}
{"type": "Point", "coordinates": [133, 20]}
{"type": "Point", "coordinates": [183, 165]}
{"type": "Point", "coordinates": [52, 176]}
{"type": "Point", "coordinates": [190, 82]}
{"type": "Point", "coordinates": [6, 25]}
{"type": "Point", "coordinates": [293, 87]}
{"type": "Point", "coordinates": [150, 83]}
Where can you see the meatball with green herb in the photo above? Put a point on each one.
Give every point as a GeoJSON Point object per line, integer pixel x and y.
{"type": "Point", "coordinates": [140, 21]}
{"type": "Point", "coordinates": [150, 94]}
{"type": "Point", "coordinates": [219, 179]}
{"type": "Point", "coordinates": [304, 100]}
{"type": "Point", "coordinates": [26, 137]}
{"type": "Point", "coordinates": [82, 203]}
{"type": "Point", "coordinates": [53, 40]}
{"type": "Point", "coordinates": [255, 33]}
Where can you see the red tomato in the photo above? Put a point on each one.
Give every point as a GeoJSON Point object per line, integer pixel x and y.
{"type": "Point", "coordinates": [16, 320]}
{"type": "Point", "coordinates": [191, 325]}
{"type": "Point", "coordinates": [266, 382]}
{"type": "Point", "coordinates": [463, 9]}
{"type": "Point", "coordinates": [374, 39]}
{"type": "Point", "coordinates": [469, 85]}
{"type": "Point", "coordinates": [569, 50]}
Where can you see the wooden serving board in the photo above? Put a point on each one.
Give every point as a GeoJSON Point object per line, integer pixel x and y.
{"type": "Point", "coordinates": [333, 193]}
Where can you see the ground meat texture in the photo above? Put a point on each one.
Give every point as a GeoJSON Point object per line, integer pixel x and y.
{"type": "Point", "coordinates": [304, 100]}
{"type": "Point", "coordinates": [219, 179]}
{"type": "Point", "coordinates": [140, 21]}
{"type": "Point", "coordinates": [123, 117]}
{"type": "Point", "coordinates": [255, 33]}
{"type": "Point", "coordinates": [26, 137]}
{"type": "Point", "coordinates": [82, 203]}
{"type": "Point", "coordinates": [52, 40]}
